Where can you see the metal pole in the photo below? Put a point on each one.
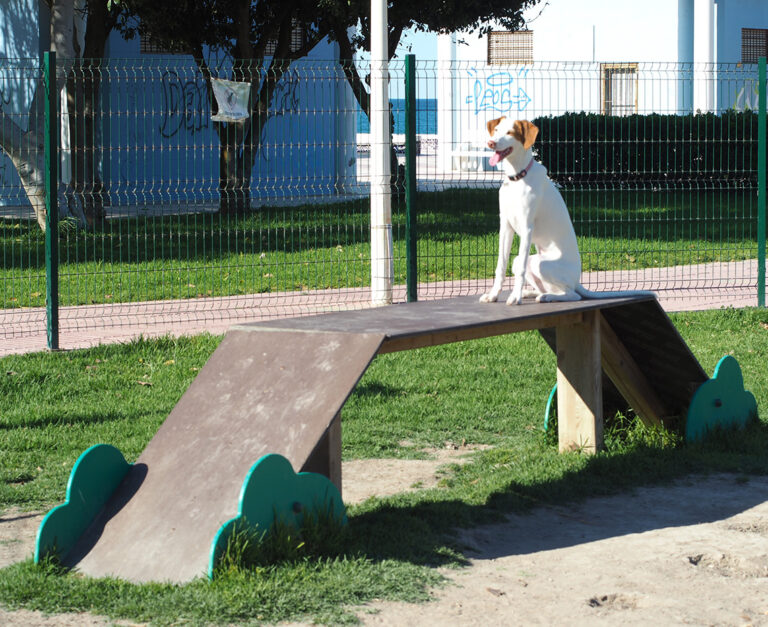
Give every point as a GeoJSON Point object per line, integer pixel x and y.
{"type": "Point", "coordinates": [382, 266]}
{"type": "Point", "coordinates": [411, 267]}
{"type": "Point", "coordinates": [51, 200]}
{"type": "Point", "coordinates": [761, 182]}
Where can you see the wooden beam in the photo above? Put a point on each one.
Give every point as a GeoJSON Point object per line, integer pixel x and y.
{"type": "Point", "coordinates": [422, 340]}
{"type": "Point", "coordinates": [326, 456]}
{"type": "Point", "coordinates": [628, 378]}
{"type": "Point", "coordinates": [579, 385]}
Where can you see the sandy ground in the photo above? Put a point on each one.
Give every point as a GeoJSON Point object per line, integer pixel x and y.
{"type": "Point", "coordinates": [692, 553]}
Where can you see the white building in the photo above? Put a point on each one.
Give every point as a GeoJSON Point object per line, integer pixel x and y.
{"type": "Point", "coordinates": [599, 56]}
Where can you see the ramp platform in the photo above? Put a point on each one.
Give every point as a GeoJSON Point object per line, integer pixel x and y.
{"type": "Point", "coordinates": [279, 386]}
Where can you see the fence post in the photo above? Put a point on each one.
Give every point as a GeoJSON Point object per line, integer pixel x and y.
{"type": "Point", "coordinates": [51, 200]}
{"type": "Point", "coordinates": [411, 267]}
{"type": "Point", "coordinates": [762, 139]}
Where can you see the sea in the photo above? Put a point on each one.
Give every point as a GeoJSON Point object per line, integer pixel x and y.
{"type": "Point", "coordinates": [426, 117]}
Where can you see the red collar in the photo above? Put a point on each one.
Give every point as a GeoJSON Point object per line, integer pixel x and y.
{"type": "Point", "coordinates": [522, 172]}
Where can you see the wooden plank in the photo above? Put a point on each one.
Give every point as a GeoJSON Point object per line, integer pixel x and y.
{"type": "Point", "coordinates": [628, 377]}
{"type": "Point", "coordinates": [428, 323]}
{"type": "Point", "coordinates": [514, 325]}
{"type": "Point", "coordinates": [653, 342]}
{"type": "Point", "coordinates": [259, 393]}
{"type": "Point", "coordinates": [579, 386]}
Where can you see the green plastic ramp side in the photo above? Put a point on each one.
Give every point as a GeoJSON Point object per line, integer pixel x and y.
{"type": "Point", "coordinates": [271, 492]}
{"type": "Point", "coordinates": [720, 402]}
{"type": "Point", "coordinates": [94, 478]}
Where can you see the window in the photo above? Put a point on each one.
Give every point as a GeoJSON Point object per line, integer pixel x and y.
{"type": "Point", "coordinates": [619, 84]}
{"type": "Point", "coordinates": [299, 39]}
{"type": "Point", "coordinates": [754, 44]}
{"type": "Point", "coordinates": [505, 47]}
{"type": "Point", "coordinates": [148, 45]}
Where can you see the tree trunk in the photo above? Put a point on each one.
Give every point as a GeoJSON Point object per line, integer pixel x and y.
{"type": "Point", "coordinates": [26, 151]}
{"type": "Point", "coordinates": [26, 148]}
{"type": "Point", "coordinates": [363, 97]}
{"type": "Point", "coordinates": [83, 92]}
{"type": "Point", "coordinates": [234, 180]}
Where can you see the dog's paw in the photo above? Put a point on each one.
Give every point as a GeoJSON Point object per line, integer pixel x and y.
{"type": "Point", "coordinates": [489, 298]}
{"type": "Point", "coordinates": [515, 299]}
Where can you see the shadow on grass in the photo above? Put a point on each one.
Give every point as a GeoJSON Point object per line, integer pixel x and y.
{"type": "Point", "coordinates": [82, 419]}
{"type": "Point", "coordinates": [425, 529]}
{"type": "Point", "coordinates": [444, 216]}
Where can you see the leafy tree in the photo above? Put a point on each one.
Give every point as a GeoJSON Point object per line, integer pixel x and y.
{"type": "Point", "coordinates": [68, 20]}
{"type": "Point", "coordinates": [257, 37]}
{"type": "Point", "coordinates": [443, 16]}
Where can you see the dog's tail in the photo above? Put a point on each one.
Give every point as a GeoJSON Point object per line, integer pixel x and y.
{"type": "Point", "coordinates": [585, 293]}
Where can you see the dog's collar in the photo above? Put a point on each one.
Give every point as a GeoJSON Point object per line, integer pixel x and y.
{"type": "Point", "coordinates": [521, 174]}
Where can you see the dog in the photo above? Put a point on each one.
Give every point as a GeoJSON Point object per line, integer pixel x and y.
{"type": "Point", "coordinates": [531, 206]}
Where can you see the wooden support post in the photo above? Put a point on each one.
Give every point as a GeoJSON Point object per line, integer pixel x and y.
{"type": "Point", "coordinates": [579, 385]}
{"type": "Point", "coordinates": [326, 457]}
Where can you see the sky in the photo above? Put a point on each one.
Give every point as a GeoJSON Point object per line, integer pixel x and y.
{"type": "Point", "coordinates": [423, 45]}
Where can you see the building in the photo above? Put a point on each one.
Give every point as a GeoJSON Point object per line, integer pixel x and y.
{"type": "Point", "coordinates": [155, 138]}
{"type": "Point", "coordinates": [599, 56]}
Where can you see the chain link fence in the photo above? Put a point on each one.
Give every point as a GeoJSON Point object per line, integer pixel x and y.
{"type": "Point", "coordinates": [172, 219]}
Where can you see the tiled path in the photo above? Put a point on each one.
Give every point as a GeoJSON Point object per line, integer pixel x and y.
{"type": "Point", "coordinates": [681, 288]}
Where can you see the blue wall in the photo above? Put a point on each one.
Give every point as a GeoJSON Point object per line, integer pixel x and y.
{"type": "Point", "coordinates": [158, 142]}
{"type": "Point", "coordinates": [732, 16]}
{"type": "Point", "coordinates": [162, 146]}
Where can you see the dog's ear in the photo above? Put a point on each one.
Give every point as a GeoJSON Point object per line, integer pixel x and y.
{"type": "Point", "coordinates": [492, 124]}
{"type": "Point", "coordinates": [525, 132]}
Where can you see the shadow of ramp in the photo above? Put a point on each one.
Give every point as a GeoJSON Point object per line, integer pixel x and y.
{"type": "Point", "coordinates": [690, 501]}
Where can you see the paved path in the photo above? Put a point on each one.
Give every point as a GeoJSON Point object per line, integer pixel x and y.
{"type": "Point", "coordinates": [681, 288]}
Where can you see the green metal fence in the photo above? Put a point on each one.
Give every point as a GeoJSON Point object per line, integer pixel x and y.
{"type": "Point", "coordinates": [168, 218]}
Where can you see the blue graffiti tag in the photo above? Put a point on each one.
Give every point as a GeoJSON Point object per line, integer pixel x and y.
{"type": "Point", "coordinates": [496, 92]}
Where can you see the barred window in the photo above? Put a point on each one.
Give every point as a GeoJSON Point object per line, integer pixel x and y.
{"type": "Point", "coordinates": [298, 40]}
{"type": "Point", "coordinates": [619, 86]}
{"type": "Point", "coordinates": [148, 45]}
{"type": "Point", "coordinates": [754, 44]}
{"type": "Point", "coordinates": [505, 47]}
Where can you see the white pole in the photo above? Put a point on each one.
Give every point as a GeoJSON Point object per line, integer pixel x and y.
{"type": "Point", "coordinates": [704, 55]}
{"type": "Point", "coordinates": [446, 55]}
{"type": "Point", "coordinates": [382, 267]}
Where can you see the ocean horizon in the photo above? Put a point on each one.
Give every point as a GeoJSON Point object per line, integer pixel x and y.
{"type": "Point", "coordinates": [426, 117]}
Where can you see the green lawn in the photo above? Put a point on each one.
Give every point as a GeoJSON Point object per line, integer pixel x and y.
{"type": "Point", "coordinates": [492, 391]}
{"type": "Point", "coordinates": [327, 246]}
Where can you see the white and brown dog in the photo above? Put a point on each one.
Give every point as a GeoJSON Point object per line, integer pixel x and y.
{"type": "Point", "coordinates": [531, 206]}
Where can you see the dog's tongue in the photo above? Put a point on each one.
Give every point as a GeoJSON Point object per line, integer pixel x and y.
{"type": "Point", "coordinates": [498, 156]}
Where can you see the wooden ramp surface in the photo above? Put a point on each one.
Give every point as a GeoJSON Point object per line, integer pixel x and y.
{"type": "Point", "coordinates": [258, 394]}
{"type": "Point", "coordinates": [276, 387]}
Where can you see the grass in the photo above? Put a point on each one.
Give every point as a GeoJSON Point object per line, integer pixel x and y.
{"type": "Point", "coordinates": [493, 391]}
{"type": "Point", "coordinates": [327, 246]}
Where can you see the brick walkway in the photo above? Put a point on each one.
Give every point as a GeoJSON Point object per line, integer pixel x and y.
{"type": "Point", "coordinates": [682, 288]}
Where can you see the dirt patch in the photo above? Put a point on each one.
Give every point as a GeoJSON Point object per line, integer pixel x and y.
{"type": "Point", "coordinates": [694, 552]}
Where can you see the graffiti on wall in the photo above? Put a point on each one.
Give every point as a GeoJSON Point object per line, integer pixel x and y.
{"type": "Point", "coordinates": [498, 92]}
{"type": "Point", "coordinates": [185, 105]}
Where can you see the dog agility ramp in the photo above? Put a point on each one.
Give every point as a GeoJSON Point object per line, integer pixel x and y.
{"type": "Point", "coordinates": [278, 387]}
{"type": "Point", "coordinates": [267, 392]}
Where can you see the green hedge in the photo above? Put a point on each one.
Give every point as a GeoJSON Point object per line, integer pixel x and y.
{"type": "Point", "coordinates": [668, 150]}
